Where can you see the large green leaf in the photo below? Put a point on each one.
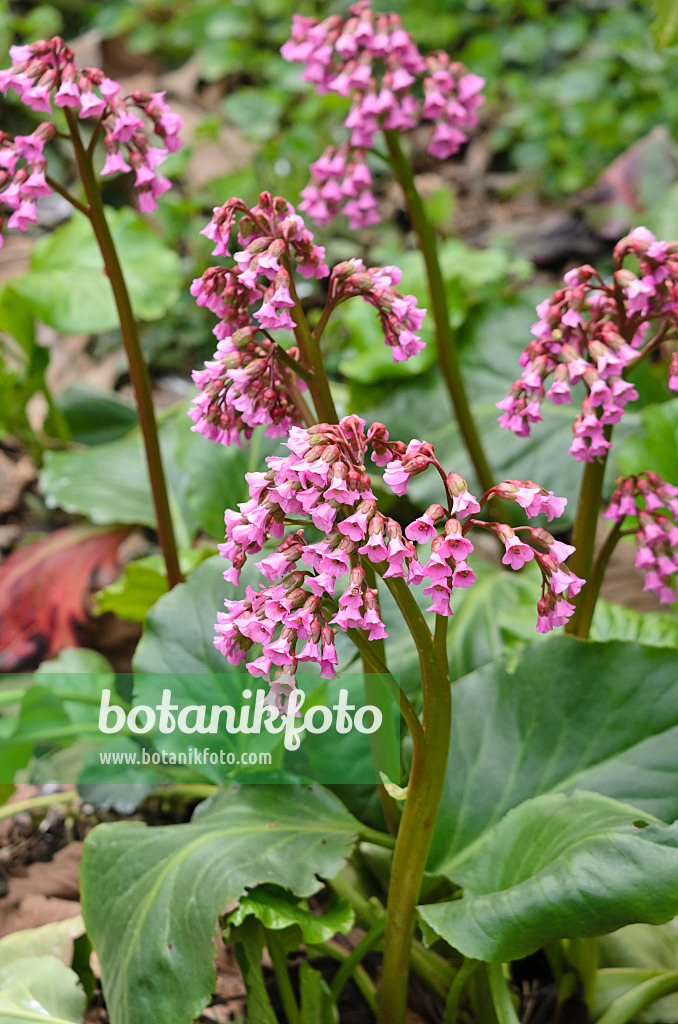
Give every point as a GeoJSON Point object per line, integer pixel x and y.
{"type": "Point", "coordinates": [559, 867]}
{"type": "Point", "coordinates": [151, 897]}
{"type": "Point", "coordinates": [568, 714]}
{"type": "Point", "coordinates": [40, 989]}
{"type": "Point", "coordinates": [74, 294]}
{"type": "Point", "coordinates": [179, 629]}
{"type": "Point", "coordinates": [109, 482]}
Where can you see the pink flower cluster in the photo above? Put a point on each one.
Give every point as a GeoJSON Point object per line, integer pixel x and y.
{"type": "Point", "coordinates": [22, 175]}
{"type": "Point", "coordinates": [654, 503]}
{"type": "Point", "coordinates": [45, 71]}
{"type": "Point", "coordinates": [246, 384]}
{"type": "Point", "coordinates": [399, 315]}
{"type": "Point", "coordinates": [323, 482]}
{"type": "Point", "coordinates": [590, 332]}
{"type": "Point", "coordinates": [371, 58]}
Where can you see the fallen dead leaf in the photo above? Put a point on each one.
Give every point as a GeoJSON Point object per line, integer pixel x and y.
{"type": "Point", "coordinates": [45, 590]}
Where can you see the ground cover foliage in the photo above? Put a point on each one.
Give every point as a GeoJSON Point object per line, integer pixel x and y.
{"type": "Point", "coordinates": [504, 848]}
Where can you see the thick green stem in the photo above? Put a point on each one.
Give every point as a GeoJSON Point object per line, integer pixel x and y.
{"type": "Point", "coordinates": [456, 988]}
{"type": "Point", "coordinates": [431, 968]}
{"type": "Point", "coordinates": [282, 978]}
{"type": "Point", "coordinates": [501, 997]}
{"type": "Point", "coordinates": [582, 954]}
{"type": "Point", "coordinates": [591, 593]}
{"type": "Point", "coordinates": [368, 942]}
{"type": "Point", "coordinates": [584, 532]}
{"type": "Point", "coordinates": [424, 790]}
{"type": "Point", "coordinates": [360, 976]}
{"type": "Point", "coordinates": [318, 385]}
{"type": "Point", "coordinates": [137, 366]}
{"type": "Point", "coordinates": [385, 742]}
{"type": "Point", "coordinates": [447, 354]}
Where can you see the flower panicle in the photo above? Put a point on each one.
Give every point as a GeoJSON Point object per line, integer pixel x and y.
{"type": "Point", "coordinates": [314, 588]}
{"type": "Point", "coordinates": [250, 382]}
{"type": "Point", "coordinates": [590, 332]}
{"type": "Point", "coordinates": [370, 58]}
{"type": "Point", "coordinates": [651, 505]}
{"type": "Point", "coordinates": [43, 73]}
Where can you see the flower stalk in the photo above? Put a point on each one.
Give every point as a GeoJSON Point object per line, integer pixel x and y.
{"type": "Point", "coordinates": [445, 346]}
{"type": "Point", "coordinates": [138, 370]}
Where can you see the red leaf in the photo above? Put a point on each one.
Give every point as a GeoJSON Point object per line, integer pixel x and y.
{"type": "Point", "coordinates": [45, 589]}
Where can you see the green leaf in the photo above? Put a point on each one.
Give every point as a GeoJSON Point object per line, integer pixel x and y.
{"type": "Point", "coordinates": [665, 25]}
{"type": "Point", "coordinates": [109, 483]}
{"type": "Point", "coordinates": [136, 591]}
{"type": "Point", "coordinates": [317, 1004]}
{"type": "Point", "coordinates": [568, 714]}
{"type": "Point", "coordinates": [16, 318]}
{"type": "Point", "coordinates": [617, 622]}
{"type": "Point", "coordinates": [256, 112]}
{"type": "Point", "coordinates": [95, 416]}
{"type": "Point", "coordinates": [248, 945]}
{"type": "Point", "coordinates": [143, 583]}
{"type": "Point", "coordinates": [654, 444]}
{"type": "Point", "coordinates": [631, 956]}
{"type": "Point", "coordinates": [40, 989]}
{"type": "Point", "coordinates": [75, 296]}
{"type": "Point", "coordinates": [179, 629]}
{"type": "Point", "coordinates": [151, 896]}
{"type": "Point", "coordinates": [277, 909]}
{"type": "Point", "coordinates": [559, 867]}
{"type": "Point", "coordinates": [497, 614]}
{"type": "Point", "coordinates": [55, 940]}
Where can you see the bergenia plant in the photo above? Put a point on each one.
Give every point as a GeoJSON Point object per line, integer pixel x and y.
{"type": "Point", "coordinates": [267, 356]}
{"type": "Point", "coordinates": [491, 857]}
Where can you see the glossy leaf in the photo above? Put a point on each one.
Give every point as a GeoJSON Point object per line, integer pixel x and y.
{"type": "Point", "coordinates": [151, 897]}
{"type": "Point", "coordinates": [179, 629]}
{"type": "Point", "coordinates": [565, 715]}
{"type": "Point", "coordinates": [75, 296]}
{"type": "Point", "coordinates": [277, 909]}
{"type": "Point", "coordinates": [95, 416]}
{"type": "Point", "coordinates": [54, 939]}
{"type": "Point", "coordinates": [40, 989]}
{"type": "Point", "coordinates": [559, 867]}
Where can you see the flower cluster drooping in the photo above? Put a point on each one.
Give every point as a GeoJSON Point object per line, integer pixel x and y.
{"type": "Point", "coordinates": [251, 380]}
{"type": "Point", "coordinates": [399, 315]}
{"type": "Point", "coordinates": [371, 58]}
{"type": "Point", "coordinates": [654, 504]}
{"type": "Point", "coordinates": [314, 588]}
{"type": "Point", "coordinates": [247, 384]}
{"type": "Point", "coordinates": [45, 71]}
{"type": "Point", "coordinates": [591, 332]}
